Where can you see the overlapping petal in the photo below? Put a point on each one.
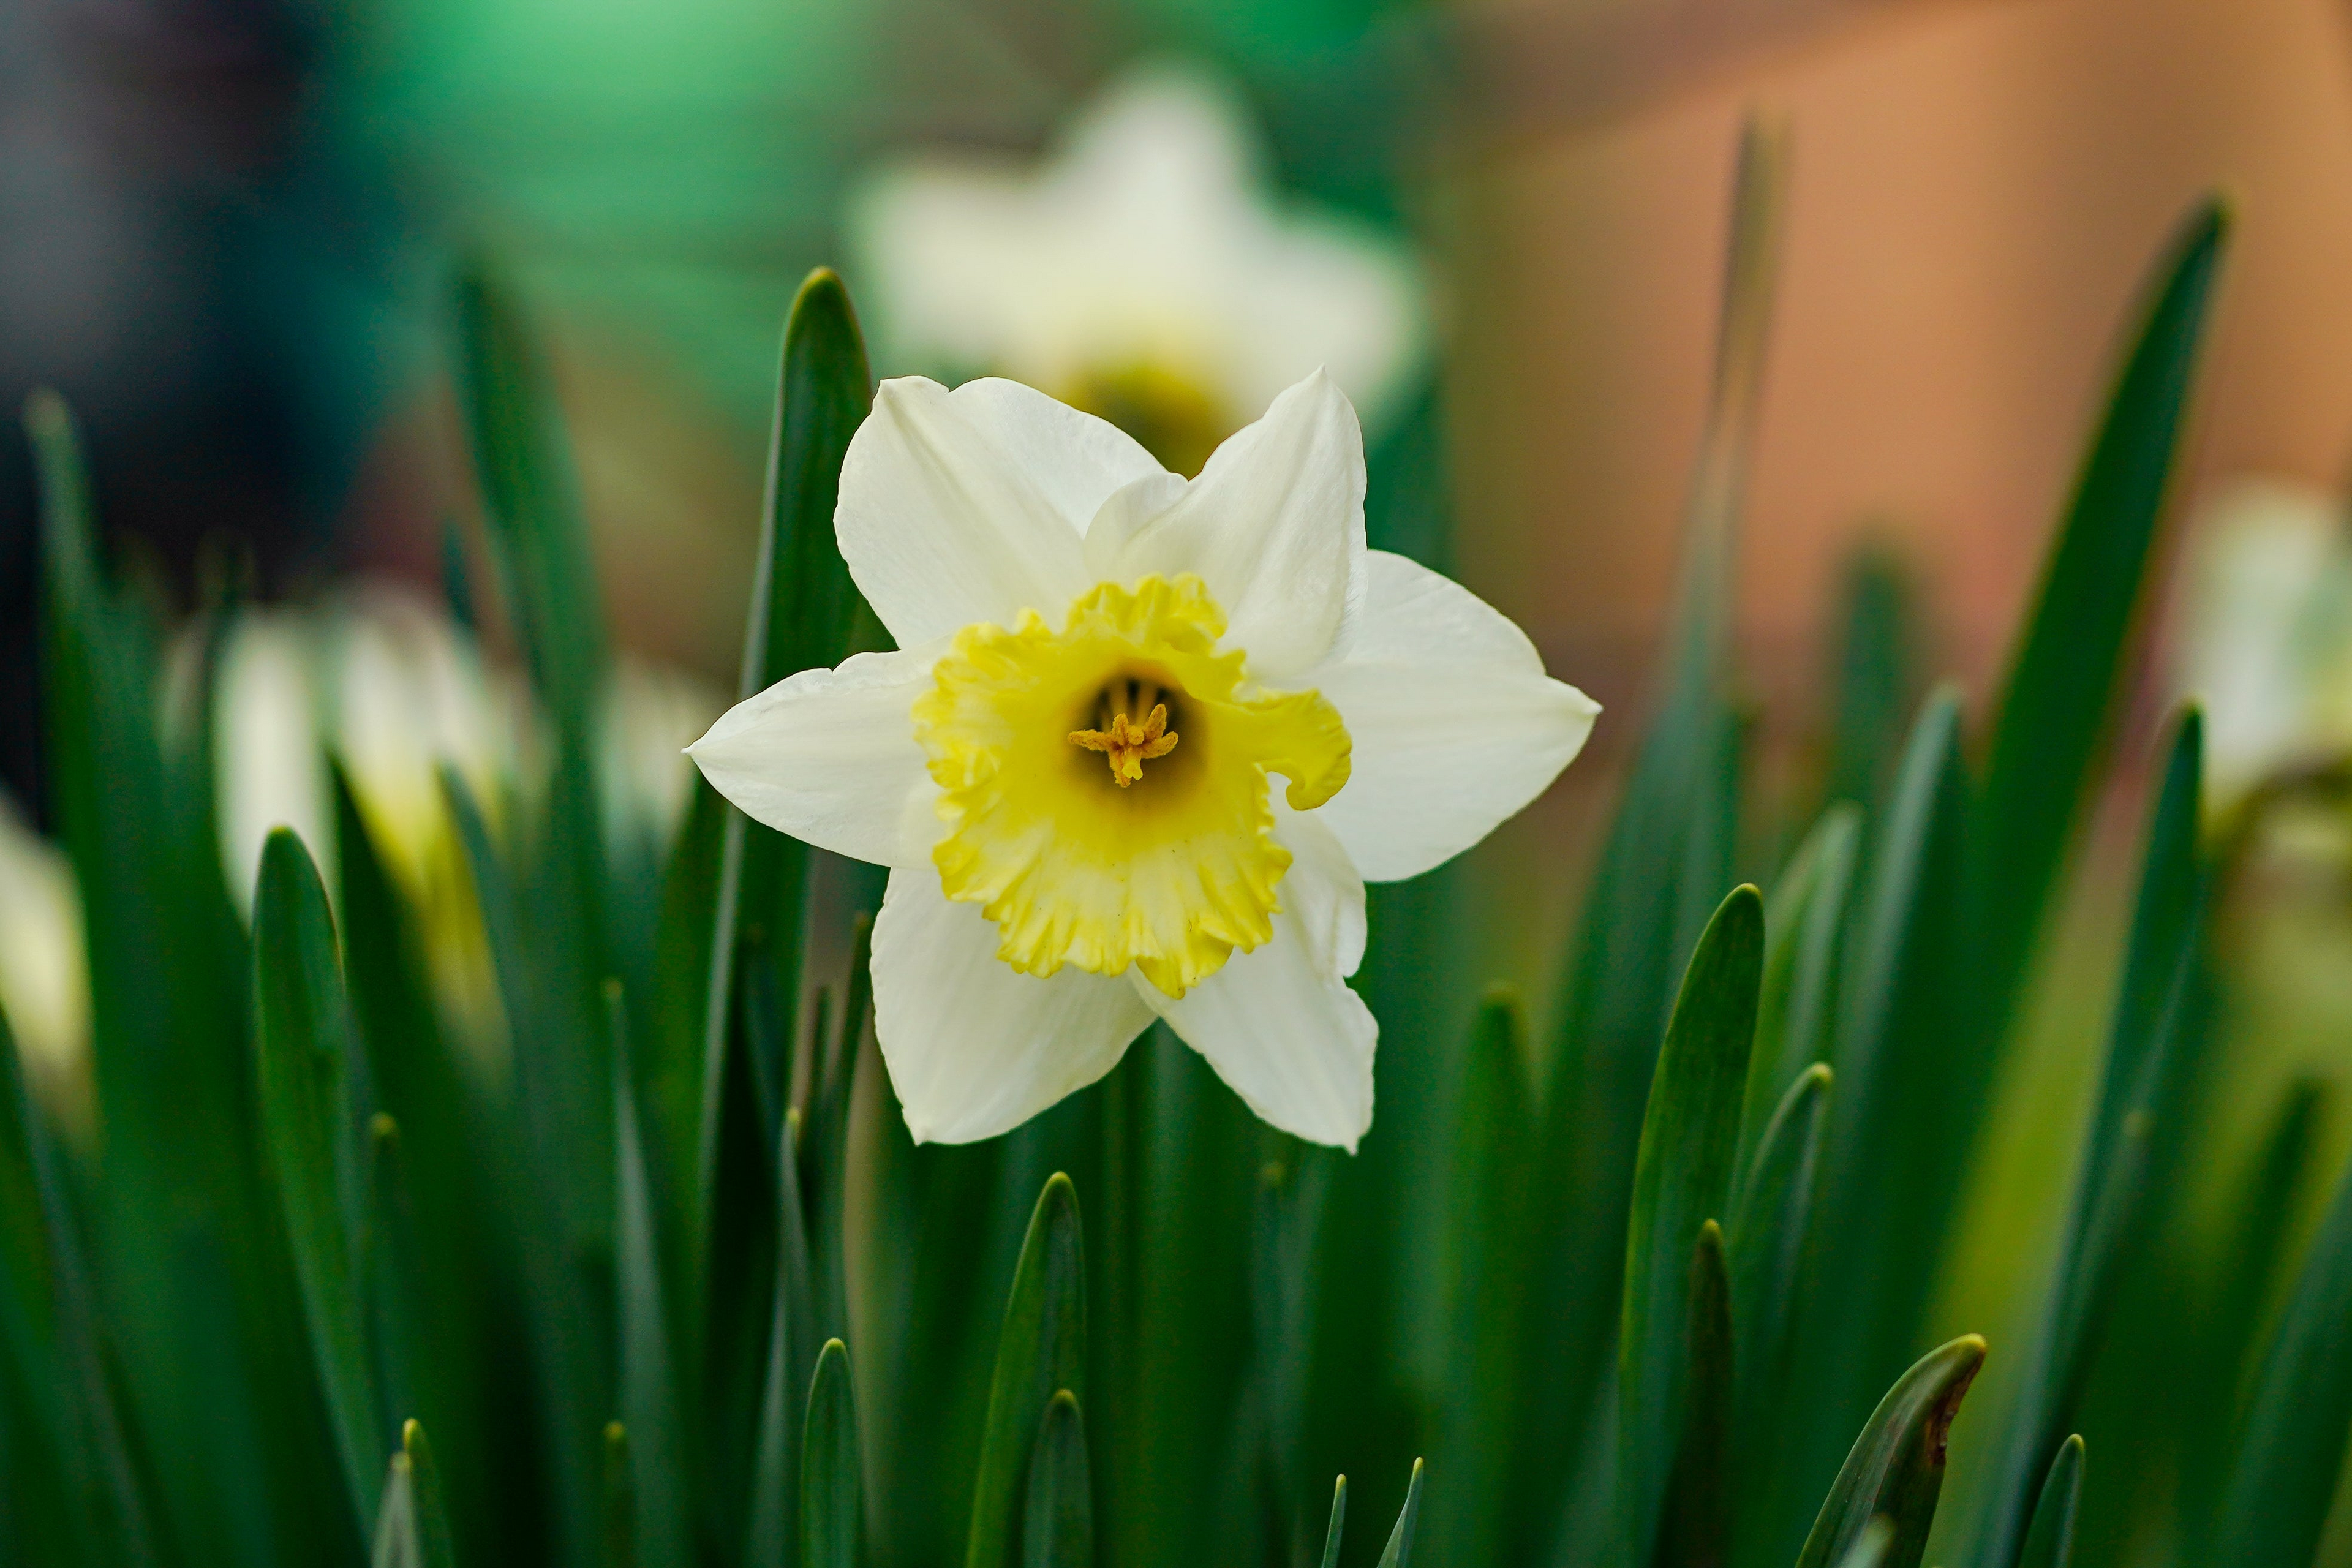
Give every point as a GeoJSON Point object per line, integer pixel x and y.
{"type": "Point", "coordinates": [1274, 526]}
{"type": "Point", "coordinates": [968, 505]}
{"type": "Point", "coordinates": [830, 757]}
{"type": "Point", "coordinates": [1284, 1033]}
{"type": "Point", "coordinates": [1455, 725]}
{"type": "Point", "coordinates": [974, 1048]}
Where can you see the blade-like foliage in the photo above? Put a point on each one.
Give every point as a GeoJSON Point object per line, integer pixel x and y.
{"type": "Point", "coordinates": [1682, 1180]}
{"type": "Point", "coordinates": [1041, 1352]}
{"type": "Point", "coordinates": [1695, 1522]}
{"type": "Point", "coordinates": [1057, 1513]}
{"type": "Point", "coordinates": [1398, 1552]}
{"type": "Point", "coordinates": [778, 1462]}
{"type": "Point", "coordinates": [302, 1040]}
{"type": "Point", "coordinates": [2050, 1542]}
{"type": "Point", "coordinates": [1896, 1471]}
{"type": "Point", "coordinates": [832, 1497]}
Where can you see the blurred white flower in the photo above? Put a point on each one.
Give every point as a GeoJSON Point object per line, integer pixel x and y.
{"type": "Point", "coordinates": [44, 972]}
{"type": "Point", "coordinates": [652, 713]}
{"type": "Point", "coordinates": [2266, 633]}
{"type": "Point", "coordinates": [1145, 272]}
{"type": "Point", "coordinates": [268, 768]}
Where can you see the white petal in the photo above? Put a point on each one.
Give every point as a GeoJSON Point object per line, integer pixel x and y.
{"type": "Point", "coordinates": [966, 506]}
{"type": "Point", "coordinates": [1455, 725]}
{"type": "Point", "coordinates": [1284, 1033]}
{"type": "Point", "coordinates": [830, 756]}
{"type": "Point", "coordinates": [1322, 888]}
{"type": "Point", "coordinates": [974, 1048]}
{"type": "Point", "coordinates": [1274, 526]}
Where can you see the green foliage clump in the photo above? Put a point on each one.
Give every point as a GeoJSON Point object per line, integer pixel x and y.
{"type": "Point", "coordinates": [686, 1293]}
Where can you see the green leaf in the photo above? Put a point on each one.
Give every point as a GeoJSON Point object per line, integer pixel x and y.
{"type": "Point", "coordinates": [49, 1315]}
{"type": "Point", "coordinates": [1876, 681]}
{"type": "Point", "coordinates": [778, 1462]}
{"type": "Point", "coordinates": [616, 1505]}
{"type": "Point", "coordinates": [648, 1386]}
{"type": "Point", "coordinates": [1695, 1523]}
{"type": "Point", "coordinates": [1666, 862]}
{"type": "Point", "coordinates": [2054, 712]}
{"type": "Point", "coordinates": [302, 1040]}
{"type": "Point", "coordinates": [530, 498]}
{"type": "Point", "coordinates": [1331, 1534]}
{"type": "Point", "coordinates": [1896, 1467]}
{"type": "Point", "coordinates": [435, 1545]}
{"type": "Point", "coordinates": [2285, 1168]}
{"type": "Point", "coordinates": [397, 1541]}
{"type": "Point", "coordinates": [1682, 1180]}
{"type": "Point", "coordinates": [2292, 1444]}
{"type": "Point", "coordinates": [1871, 1547]}
{"type": "Point", "coordinates": [391, 1270]}
{"type": "Point", "coordinates": [2140, 1114]}
{"type": "Point", "coordinates": [802, 607]}
{"type": "Point", "coordinates": [1057, 1514]}
{"type": "Point", "coordinates": [1481, 1420]}
{"type": "Point", "coordinates": [1398, 1553]}
{"type": "Point", "coordinates": [833, 1498]}
{"type": "Point", "coordinates": [1041, 1352]}
{"type": "Point", "coordinates": [1804, 941]}
{"type": "Point", "coordinates": [1910, 1096]}
{"type": "Point", "coordinates": [2050, 1543]}
{"type": "Point", "coordinates": [1771, 1227]}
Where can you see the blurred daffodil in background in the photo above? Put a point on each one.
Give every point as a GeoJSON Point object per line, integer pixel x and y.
{"type": "Point", "coordinates": [44, 972]}
{"type": "Point", "coordinates": [2266, 641]}
{"type": "Point", "coordinates": [1145, 271]}
{"type": "Point", "coordinates": [381, 683]}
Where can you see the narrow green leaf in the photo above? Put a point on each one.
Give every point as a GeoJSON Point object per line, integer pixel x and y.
{"type": "Point", "coordinates": [1694, 1529]}
{"type": "Point", "coordinates": [391, 1268]}
{"type": "Point", "coordinates": [2285, 1168]}
{"type": "Point", "coordinates": [1896, 1465]}
{"type": "Point", "coordinates": [1041, 1350]}
{"type": "Point", "coordinates": [1664, 864]}
{"type": "Point", "coordinates": [832, 1497]}
{"type": "Point", "coordinates": [52, 1335]}
{"type": "Point", "coordinates": [396, 1542]}
{"type": "Point", "coordinates": [2140, 1115]}
{"type": "Point", "coordinates": [616, 1509]}
{"type": "Point", "coordinates": [435, 1547]}
{"type": "Point", "coordinates": [1058, 1512]}
{"type": "Point", "coordinates": [778, 1462]}
{"type": "Point", "coordinates": [2292, 1442]}
{"type": "Point", "coordinates": [1875, 678]}
{"type": "Point", "coordinates": [2050, 1543]}
{"type": "Point", "coordinates": [802, 607]}
{"type": "Point", "coordinates": [530, 498]}
{"type": "Point", "coordinates": [1481, 1419]}
{"type": "Point", "coordinates": [1771, 1223]}
{"type": "Point", "coordinates": [1804, 939]}
{"type": "Point", "coordinates": [1398, 1553]}
{"type": "Point", "coordinates": [1338, 1521]}
{"type": "Point", "coordinates": [648, 1386]}
{"type": "Point", "coordinates": [302, 1040]}
{"type": "Point", "coordinates": [2061, 685]}
{"type": "Point", "coordinates": [1682, 1180]}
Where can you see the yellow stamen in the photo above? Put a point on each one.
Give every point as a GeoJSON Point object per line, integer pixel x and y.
{"type": "Point", "coordinates": [1127, 746]}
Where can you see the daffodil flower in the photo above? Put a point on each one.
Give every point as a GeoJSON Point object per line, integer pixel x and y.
{"type": "Point", "coordinates": [1066, 765]}
{"type": "Point", "coordinates": [1145, 271]}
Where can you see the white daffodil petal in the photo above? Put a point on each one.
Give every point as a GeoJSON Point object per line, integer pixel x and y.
{"type": "Point", "coordinates": [1455, 725]}
{"type": "Point", "coordinates": [976, 1048]}
{"type": "Point", "coordinates": [1323, 889]}
{"type": "Point", "coordinates": [830, 756]}
{"type": "Point", "coordinates": [1286, 1035]}
{"type": "Point", "coordinates": [1274, 527]}
{"type": "Point", "coordinates": [966, 506]}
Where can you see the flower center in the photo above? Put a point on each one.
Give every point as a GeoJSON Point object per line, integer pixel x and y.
{"type": "Point", "coordinates": [1171, 877]}
{"type": "Point", "coordinates": [1127, 744]}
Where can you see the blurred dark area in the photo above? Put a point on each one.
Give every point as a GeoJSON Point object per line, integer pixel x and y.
{"type": "Point", "coordinates": [168, 233]}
